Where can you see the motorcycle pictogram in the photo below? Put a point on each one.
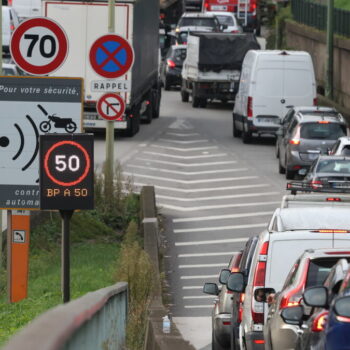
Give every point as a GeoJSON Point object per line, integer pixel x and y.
{"type": "Point", "coordinates": [59, 123]}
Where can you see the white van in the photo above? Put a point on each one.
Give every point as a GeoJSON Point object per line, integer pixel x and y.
{"type": "Point", "coordinates": [271, 82]}
{"type": "Point", "coordinates": [26, 8]}
{"type": "Point", "coordinates": [10, 22]}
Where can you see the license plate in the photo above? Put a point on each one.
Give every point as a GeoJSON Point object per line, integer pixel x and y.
{"type": "Point", "coordinates": [218, 8]}
{"type": "Point", "coordinates": [91, 116]}
{"type": "Point", "coordinates": [269, 120]}
{"type": "Point", "coordinates": [340, 185]}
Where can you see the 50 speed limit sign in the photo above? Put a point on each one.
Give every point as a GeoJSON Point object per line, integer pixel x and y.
{"type": "Point", "coordinates": [39, 46]}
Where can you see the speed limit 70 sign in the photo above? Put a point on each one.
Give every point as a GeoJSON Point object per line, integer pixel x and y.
{"type": "Point", "coordinates": [39, 46]}
{"type": "Point", "coordinates": [66, 171]}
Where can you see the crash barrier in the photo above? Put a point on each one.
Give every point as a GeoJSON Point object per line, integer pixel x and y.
{"type": "Point", "coordinates": [96, 321]}
{"type": "Point", "coordinates": [315, 15]}
{"type": "Point", "coordinates": [155, 338]}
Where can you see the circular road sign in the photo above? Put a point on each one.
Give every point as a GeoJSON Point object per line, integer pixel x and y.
{"type": "Point", "coordinates": [111, 106]}
{"type": "Point", "coordinates": [67, 163]}
{"type": "Point", "coordinates": [111, 56]}
{"type": "Point", "coordinates": [39, 46]}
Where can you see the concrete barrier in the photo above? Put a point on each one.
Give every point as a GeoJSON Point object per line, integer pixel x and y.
{"type": "Point", "coordinates": [96, 321]}
{"type": "Point", "coordinates": [155, 338]}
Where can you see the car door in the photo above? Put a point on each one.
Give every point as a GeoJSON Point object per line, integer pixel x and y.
{"type": "Point", "coordinates": [289, 129]}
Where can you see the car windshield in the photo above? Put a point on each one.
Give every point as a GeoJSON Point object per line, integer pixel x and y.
{"type": "Point", "coordinates": [179, 55]}
{"type": "Point", "coordinates": [319, 270]}
{"type": "Point", "coordinates": [225, 20]}
{"type": "Point", "coordinates": [333, 166]}
{"type": "Point", "coordinates": [197, 22]}
{"type": "Point", "coordinates": [182, 38]}
{"type": "Point", "coordinates": [322, 131]}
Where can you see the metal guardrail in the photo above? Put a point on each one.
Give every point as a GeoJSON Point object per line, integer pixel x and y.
{"type": "Point", "coordinates": [315, 15]}
{"type": "Point", "coordinates": [96, 321]}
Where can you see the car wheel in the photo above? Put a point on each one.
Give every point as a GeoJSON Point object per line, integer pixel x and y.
{"type": "Point", "coordinates": [281, 170]}
{"type": "Point", "coordinates": [203, 103]}
{"type": "Point", "coordinates": [277, 150]}
{"type": "Point", "coordinates": [290, 174]}
{"type": "Point", "coordinates": [235, 131]}
{"type": "Point", "coordinates": [246, 135]}
{"type": "Point", "coordinates": [195, 101]}
{"type": "Point", "coordinates": [185, 96]}
{"type": "Point", "coordinates": [167, 85]}
{"type": "Point", "coordinates": [214, 343]}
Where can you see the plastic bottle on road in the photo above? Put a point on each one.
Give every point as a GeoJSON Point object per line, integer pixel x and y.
{"type": "Point", "coordinates": [166, 324]}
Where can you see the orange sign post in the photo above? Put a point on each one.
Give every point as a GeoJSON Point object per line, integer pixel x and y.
{"type": "Point", "coordinates": [18, 232]}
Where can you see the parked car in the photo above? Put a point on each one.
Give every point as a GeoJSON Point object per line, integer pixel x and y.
{"type": "Point", "coordinates": [310, 270]}
{"type": "Point", "coordinates": [10, 22]}
{"type": "Point", "coordinates": [271, 83]}
{"type": "Point", "coordinates": [228, 22]}
{"type": "Point", "coordinates": [291, 231]}
{"type": "Point", "coordinates": [306, 136]}
{"type": "Point", "coordinates": [10, 69]}
{"type": "Point", "coordinates": [170, 71]}
{"type": "Point", "coordinates": [329, 172]}
{"type": "Point", "coordinates": [221, 317]}
{"type": "Point", "coordinates": [341, 147]}
{"type": "Point", "coordinates": [26, 8]}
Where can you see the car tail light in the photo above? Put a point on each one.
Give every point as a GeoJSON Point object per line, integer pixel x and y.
{"type": "Point", "coordinates": [235, 31]}
{"type": "Point", "coordinates": [259, 282]}
{"type": "Point", "coordinates": [331, 231]}
{"type": "Point", "coordinates": [333, 199]}
{"type": "Point", "coordinates": [170, 63]}
{"type": "Point", "coordinates": [315, 184]}
{"type": "Point", "coordinates": [323, 122]}
{"type": "Point", "coordinates": [315, 101]}
{"type": "Point", "coordinates": [226, 323]}
{"type": "Point", "coordinates": [343, 319]}
{"type": "Point", "coordinates": [337, 253]}
{"type": "Point", "coordinates": [250, 107]}
{"type": "Point", "coordinates": [319, 322]}
{"type": "Point", "coordinates": [292, 297]}
{"type": "Point", "coordinates": [9, 3]}
{"type": "Point", "coordinates": [294, 142]}
{"type": "Point", "coordinates": [259, 341]}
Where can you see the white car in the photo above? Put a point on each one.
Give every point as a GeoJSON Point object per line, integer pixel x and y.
{"type": "Point", "coordinates": [10, 69]}
{"type": "Point", "coordinates": [198, 21]}
{"type": "Point", "coordinates": [341, 147]}
{"type": "Point", "coordinates": [26, 8]}
{"type": "Point", "coordinates": [10, 22]}
{"type": "Point", "coordinates": [228, 21]}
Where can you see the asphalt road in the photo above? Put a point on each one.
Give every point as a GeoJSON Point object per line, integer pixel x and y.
{"type": "Point", "coordinates": [213, 192]}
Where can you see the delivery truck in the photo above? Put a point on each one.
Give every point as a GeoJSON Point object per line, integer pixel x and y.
{"type": "Point", "coordinates": [137, 21]}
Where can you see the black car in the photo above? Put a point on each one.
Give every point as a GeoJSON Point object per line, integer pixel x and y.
{"type": "Point", "coordinates": [170, 70]}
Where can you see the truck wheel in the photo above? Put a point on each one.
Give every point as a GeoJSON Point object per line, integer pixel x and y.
{"type": "Point", "coordinates": [195, 101]}
{"type": "Point", "coordinates": [203, 103]}
{"type": "Point", "coordinates": [134, 125]}
{"type": "Point", "coordinates": [185, 96]}
{"type": "Point", "coordinates": [156, 103]}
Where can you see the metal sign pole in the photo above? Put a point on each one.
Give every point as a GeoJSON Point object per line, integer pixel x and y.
{"type": "Point", "coordinates": [330, 29]}
{"type": "Point", "coordinates": [109, 164]}
{"type": "Point", "coordinates": [65, 254]}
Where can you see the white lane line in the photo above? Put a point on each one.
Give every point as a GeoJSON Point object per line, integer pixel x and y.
{"type": "Point", "coordinates": [210, 207]}
{"type": "Point", "coordinates": [199, 297]}
{"type": "Point", "coordinates": [198, 277]}
{"type": "Point", "coordinates": [192, 287]}
{"type": "Point", "coordinates": [217, 241]}
{"type": "Point", "coordinates": [199, 199]}
{"type": "Point", "coordinates": [181, 142]}
{"type": "Point", "coordinates": [182, 135]}
{"type": "Point", "coordinates": [202, 265]}
{"type": "Point", "coordinates": [211, 189]}
{"type": "Point", "coordinates": [193, 149]}
{"type": "Point", "coordinates": [198, 306]}
{"type": "Point", "coordinates": [187, 164]}
{"type": "Point", "coordinates": [190, 173]}
{"type": "Point", "coordinates": [190, 182]}
{"type": "Point", "coordinates": [181, 124]}
{"type": "Point", "coordinates": [205, 254]}
{"type": "Point", "coordinates": [187, 157]}
{"type": "Point", "coordinates": [220, 217]}
{"type": "Point", "coordinates": [218, 228]}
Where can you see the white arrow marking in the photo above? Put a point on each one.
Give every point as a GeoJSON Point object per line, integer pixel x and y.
{"type": "Point", "coordinates": [187, 157]}
{"type": "Point", "coordinates": [218, 241]}
{"type": "Point", "coordinates": [215, 228]}
{"type": "Point", "coordinates": [182, 135]}
{"type": "Point", "coordinates": [185, 149]}
{"type": "Point", "coordinates": [186, 164]}
{"type": "Point", "coordinates": [180, 142]}
{"type": "Point", "coordinates": [220, 217]}
{"type": "Point", "coordinates": [202, 265]}
{"type": "Point", "coordinates": [205, 254]}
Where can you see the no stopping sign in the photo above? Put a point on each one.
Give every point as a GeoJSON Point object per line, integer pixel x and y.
{"type": "Point", "coordinates": [39, 46]}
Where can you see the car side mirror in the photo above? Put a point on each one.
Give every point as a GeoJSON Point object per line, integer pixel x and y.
{"type": "Point", "coordinates": [293, 315]}
{"type": "Point", "coordinates": [342, 307]}
{"type": "Point", "coordinates": [224, 275]}
{"type": "Point", "coordinates": [302, 172]}
{"type": "Point", "coordinates": [316, 297]}
{"type": "Point", "coordinates": [261, 294]}
{"type": "Point", "coordinates": [211, 288]}
{"type": "Point", "coordinates": [235, 282]}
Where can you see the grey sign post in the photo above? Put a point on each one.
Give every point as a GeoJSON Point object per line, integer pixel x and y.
{"type": "Point", "coordinates": [30, 107]}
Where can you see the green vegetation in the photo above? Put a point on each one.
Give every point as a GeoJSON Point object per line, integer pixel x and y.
{"type": "Point", "coordinates": [96, 246]}
{"type": "Point", "coordinates": [342, 4]}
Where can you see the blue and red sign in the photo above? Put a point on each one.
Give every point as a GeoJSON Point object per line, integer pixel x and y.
{"type": "Point", "coordinates": [111, 56]}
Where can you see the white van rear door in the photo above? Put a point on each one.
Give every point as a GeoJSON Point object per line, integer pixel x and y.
{"type": "Point", "coordinates": [342, 240]}
{"type": "Point", "coordinates": [35, 8]}
{"type": "Point", "coordinates": [284, 250]}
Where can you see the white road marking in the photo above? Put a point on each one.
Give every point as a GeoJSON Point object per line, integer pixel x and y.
{"type": "Point", "coordinates": [192, 287]}
{"type": "Point", "coordinates": [198, 306]}
{"type": "Point", "coordinates": [187, 157]}
{"type": "Point", "coordinates": [198, 277]}
{"type": "Point", "coordinates": [199, 199]}
{"type": "Point", "coordinates": [202, 265]}
{"type": "Point", "coordinates": [187, 164]}
{"type": "Point", "coordinates": [218, 228]}
{"type": "Point", "coordinates": [182, 142]}
{"type": "Point", "coordinates": [205, 254]}
{"type": "Point", "coordinates": [217, 241]}
{"type": "Point", "coordinates": [197, 190]}
{"type": "Point", "coordinates": [193, 149]}
{"type": "Point", "coordinates": [219, 217]}
{"type": "Point", "coordinates": [190, 182]}
{"type": "Point", "coordinates": [190, 173]}
{"type": "Point", "coordinates": [181, 124]}
{"type": "Point", "coordinates": [199, 297]}
{"type": "Point", "coordinates": [182, 135]}
{"type": "Point", "coordinates": [210, 207]}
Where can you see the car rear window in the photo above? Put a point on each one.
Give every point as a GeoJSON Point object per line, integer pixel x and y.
{"type": "Point", "coordinates": [322, 131]}
{"type": "Point", "coordinates": [197, 22]}
{"type": "Point", "coordinates": [319, 270]}
{"type": "Point", "coordinates": [180, 54]}
{"type": "Point", "coordinates": [226, 20]}
{"type": "Point", "coordinates": [333, 166]}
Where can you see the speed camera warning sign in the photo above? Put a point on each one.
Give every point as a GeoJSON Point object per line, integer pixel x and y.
{"type": "Point", "coordinates": [66, 171]}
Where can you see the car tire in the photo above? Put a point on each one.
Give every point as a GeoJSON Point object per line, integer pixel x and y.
{"type": "Point", "coordinates": [195, 101]}
{"type": "Point", "coordinates": [203, 103]}
{"type": "Point", "coordinates": [246, 135]}
{"type": "Point", "coordinates": [290, 174]}
{"type": "Point", "coordinates": [214, 343]}
{"type": "Point", "coordinates": [281, 170]}
{"type": "Point", "coordinates": [157, 94]}
{"type": "Point", "coordinates": [235, 131]}
{"type": "Point", "coordinates": [185, 96]}
{"type": "Point", "coordinates": [277, 150]}
{"type": "Point", "coordinates": [167, 85]}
